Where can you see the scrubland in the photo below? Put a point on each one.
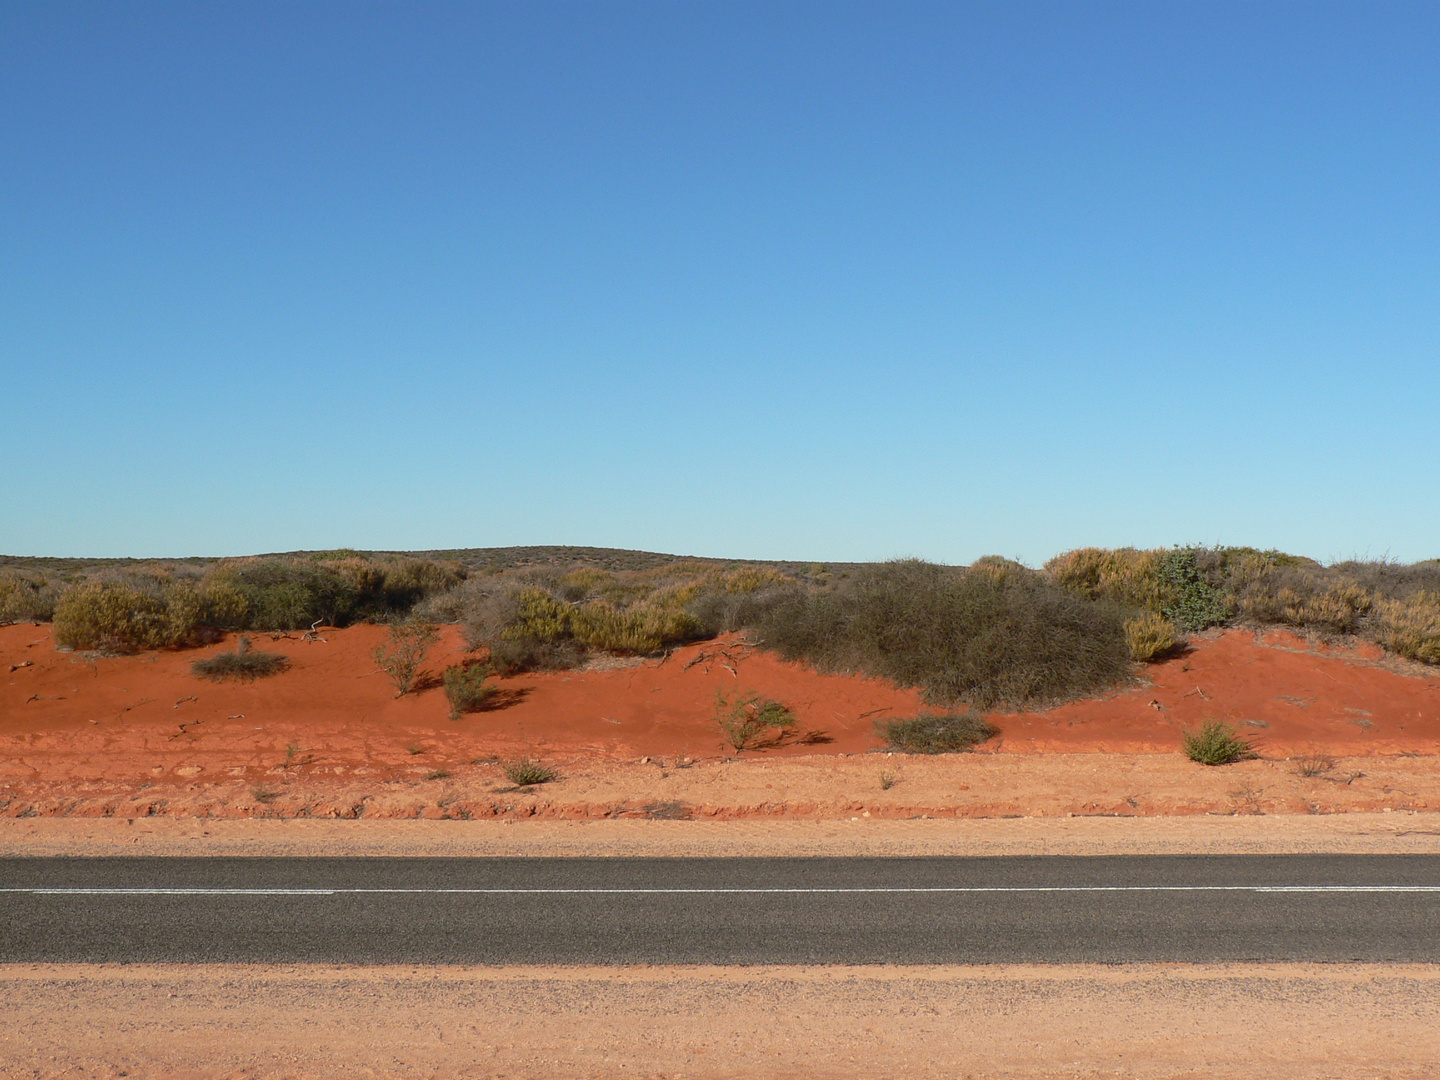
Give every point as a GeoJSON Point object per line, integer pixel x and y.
{"type": "Point", "coordinates": [580, 683]}
{"type": "Point", "coordinates": [582, 702]}
{"type": "Point", "coordinates": [993, 633]}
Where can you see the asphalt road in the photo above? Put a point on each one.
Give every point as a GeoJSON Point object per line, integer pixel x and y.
{"type": "Point", "coordinates": [727, 911]}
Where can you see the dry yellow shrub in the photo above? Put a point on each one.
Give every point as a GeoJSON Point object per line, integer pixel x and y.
{"type": "Point", "coordinates": [640, 629]}
{"type": "Point", "coordinates": [119, 617]}
{"type": "Point", "coordinates": [1410, 627]}
{"type": "Point", "coordinates": [22, 598]}
{"type": "Point", "coordinates": [1337, 609]}
{"type": "Point", "coordinates": [1149, 636]}
{"type": "Point", "coordinates": [224, 604]}
{"type": "Point", "coordinates": [1126, 575]}
{"type": "Point", "coordinates": [587, 579]}
{"type": "Point", "coordinates": [748, 579]}
{"type": "Point", "coordinates": [362, 575]}
{"type": "Point", "coordinates": [998, 569]}
{"type": "Point", "coordinates": [540, 616]}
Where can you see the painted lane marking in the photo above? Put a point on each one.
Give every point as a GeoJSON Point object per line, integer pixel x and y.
{"type": "Point", "coordinates": [382, 891]}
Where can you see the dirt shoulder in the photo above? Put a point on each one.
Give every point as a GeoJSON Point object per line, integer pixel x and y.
{"type": "Point", "coordinates": [816, 787]}
{"type": "Point", "coordinates": [1396, 833]}
{"type": "Point", "coordinates": [197, 1022]}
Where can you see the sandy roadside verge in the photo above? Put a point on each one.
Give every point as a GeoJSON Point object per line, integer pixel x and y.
{"type": "Point", "coordinates": [814, 787]}
{"type": "Point", "coordinates": [1382, 833]}
{"type": "Point", "coordinates": [307, 1023]}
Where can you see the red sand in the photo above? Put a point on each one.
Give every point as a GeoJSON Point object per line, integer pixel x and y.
{"type": "Point", "coordinates": [335, 697]}
{"type": "Point", "coordinates": [1288, 694]}
{"type": "Point", "coordinates": [77, 732]}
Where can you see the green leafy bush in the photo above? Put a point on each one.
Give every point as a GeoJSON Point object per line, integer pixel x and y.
{"type": "Point", "coordinates": [1217, 744]}
{"type": "Point", "coordinates": [929, 733]}
{"type": "Point", "coordinates": [1194, 604]}
{"type": "Point", "coordinates": [958, 635]}
{"type": "Point", "coordinates": [243, 664]}
{"type": "Point", "coordinates": [744, 718]}
{"type": "Point", "coordinates": [467, 688]}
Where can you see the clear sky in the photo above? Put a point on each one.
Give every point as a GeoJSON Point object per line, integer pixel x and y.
{"type": "Point", "coordinates": [815, 281]}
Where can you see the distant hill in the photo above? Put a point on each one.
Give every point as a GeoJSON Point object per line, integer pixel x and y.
{"type": "Point", "coordinates": [496, 558]}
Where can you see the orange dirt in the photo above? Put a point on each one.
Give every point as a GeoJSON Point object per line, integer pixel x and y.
{"type": "Point", "coordinates": [1288, 694]}
{"type": "Point", "coordinates": [81, 734]}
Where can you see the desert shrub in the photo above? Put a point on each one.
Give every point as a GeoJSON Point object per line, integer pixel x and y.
{"type": "Point", "coordinates": [957, 635]}
{"type": "Point", "coordinates": [527, 771]}
{"type": "Point", "coordinates": [1150, 636]}
{"type": "Point", "coordinates": [243, 664]}
{"type": "Point", "coordinates": [584, 582]}
{"type": "Point", "coordinates": [125, 617]}
{"type": "Point", "coordinates": [285, 593]}
{"type": "Point", "coordinates": [540, 615]}
{"type": "Point", "coordinates": [467, 688]}
{"type": "Point", "coordinates": [747, 579]}
{"type": "Point", "coordinates": [1388, 580]}
{"type": "Point", "coordinates": [998, 569]}
{"type": "Point", "coordinates": [1230, 567]}
{"type": "Point", "coordinates": [484, 607]}
{"type": "Point", "coordinates": [511, 655]}
{"type": "Point", "coordinates": [1301, 597]}
{"type": "Point", "coordinates": [721, 611]}
{"type": "Point", "coordinates": [535, 621]}
{"type": "Point", "coordinates": [1125, 575]}
{"type": "Point", "coordinates": [1337, 608]}
{"type": "Point", "coordinates": [1199, 587]}
{"type": "Point", "coordinates": [744, 718]}
{"type": "Point", "coordinates": [362, 575]}
{"type": "Point", "coordinates": [1217, 744]}
{"type": "Point", "coordinates": [1313, 764]}
{"type": "Point", "coordinates": [1193, 602]}
{"type": "Point", "coordinates": [410, 644]}
{"type": "Point", "coordinates": [929, 733]}
{"type": "Point", "coordinates": [222, 605]}
{"type": "Point", "coordinates": [641, 629]}
{"type": "Point", "coordinates": [25, 598]}
{"type": "Point", "coordinates": [1410, 627]}
{"type": "Point", "coordinates": [406, 582]}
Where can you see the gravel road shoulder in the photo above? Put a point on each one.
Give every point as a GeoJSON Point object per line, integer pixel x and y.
{"type": "Point", "coordinates": [1383, 833]}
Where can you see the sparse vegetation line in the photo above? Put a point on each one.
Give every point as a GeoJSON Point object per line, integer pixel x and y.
{"type": "Point", "coordinates": [993, 634]}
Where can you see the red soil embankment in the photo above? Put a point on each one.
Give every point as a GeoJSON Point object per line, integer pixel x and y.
{"type": "Point", "coordinates": [135, 735]}
{"type": "Point", "coordinates": [1288, 694]}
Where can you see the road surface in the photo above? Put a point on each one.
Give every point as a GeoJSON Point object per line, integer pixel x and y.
{"type": "Point", "coordinates": [1125, 909]}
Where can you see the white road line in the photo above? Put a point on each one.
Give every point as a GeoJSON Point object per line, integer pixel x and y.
{"type": "Point", "coordinates": [242, 891]}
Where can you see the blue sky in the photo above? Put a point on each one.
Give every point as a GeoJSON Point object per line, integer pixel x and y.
{"type": "Point", "coordinates": [814, 281]}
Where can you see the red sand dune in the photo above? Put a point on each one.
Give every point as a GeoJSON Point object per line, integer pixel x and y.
{"type": "Point", "coordinates": [136, 736]}
{"type": "Point", "coordinates": [111, 715]}
{"type": "Point", "coordinates": [1288, 694]}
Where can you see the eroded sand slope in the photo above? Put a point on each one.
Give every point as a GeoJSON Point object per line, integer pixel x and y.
{"type": "Point", "coordinates": [140, 736]}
